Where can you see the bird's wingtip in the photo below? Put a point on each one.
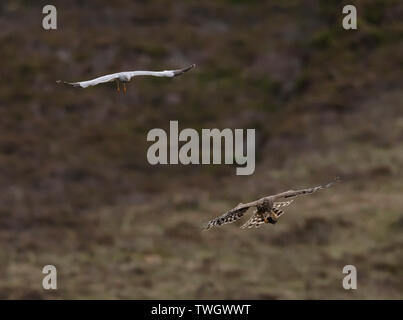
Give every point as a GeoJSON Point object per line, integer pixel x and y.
{"type": "Point", "coordinates": [208, 225]}
{"type": "Point", "coordinates": [181, 71]}
{"type": "Point", "coordinates": [74, 84]}
{"type": "Point", "coordinates": [62, 82]}
{"type": "Point", "coordinates": [335, 180]}
{"type": "Point", "coordinates": [205, 227]}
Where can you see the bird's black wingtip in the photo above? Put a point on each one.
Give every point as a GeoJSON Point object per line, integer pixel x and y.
{"type": "Point", "coordinates": [190, 67]}
{"type": "Point", "coordinates": [182, 71]}
{"type": "Point", "coordinates": [74, 84]}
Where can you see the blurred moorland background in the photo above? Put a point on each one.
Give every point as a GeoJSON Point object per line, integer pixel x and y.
{"type": "Point", "coordinates": [77, 190]}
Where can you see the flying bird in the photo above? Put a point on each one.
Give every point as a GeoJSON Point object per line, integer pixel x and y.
{"type": "Point", "coordinates": [124, 77]}
{"type": "Point", "coordinates": [267, 208]}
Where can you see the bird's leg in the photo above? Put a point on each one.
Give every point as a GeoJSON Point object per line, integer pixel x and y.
{"type": "Point", "coordinates": [273, 216]}
{"type": "Point", "coordinates": [118, 88]}
{"type": "Point", "coordinates": [124, 87]}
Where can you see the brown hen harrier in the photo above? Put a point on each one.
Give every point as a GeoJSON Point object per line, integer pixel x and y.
{"type": "Point", "coordinates": [267, 209]}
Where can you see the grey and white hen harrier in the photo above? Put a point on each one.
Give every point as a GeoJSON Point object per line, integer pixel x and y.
{"type": "Point", "coordinates": [267, 208]}
{"type": "Point", "coordinates": [126, 76]}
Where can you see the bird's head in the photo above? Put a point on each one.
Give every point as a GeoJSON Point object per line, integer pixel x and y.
{"type": "Point", "coordinates": [124, 77]}
{"type": "Point", "coordinates": [265, 205]}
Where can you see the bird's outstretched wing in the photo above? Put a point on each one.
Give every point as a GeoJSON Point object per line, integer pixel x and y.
{"type": "Point", "coordinates": [294, 193]}
{"type": "Point", "coordinates": [255, 221]}
{"type": "Point", "coordinates": [165, 73]}
{"type": "Point", "coordinates": [93, 82]}
{"type": "Point", "coordinates": [228, 217]}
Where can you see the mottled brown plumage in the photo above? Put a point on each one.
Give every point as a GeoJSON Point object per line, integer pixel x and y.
{"type": "Point", "coordinates": [267, 209]}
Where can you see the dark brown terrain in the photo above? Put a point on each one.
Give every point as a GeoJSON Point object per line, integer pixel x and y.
{"type": "Point", "coordinates": [76, 189]}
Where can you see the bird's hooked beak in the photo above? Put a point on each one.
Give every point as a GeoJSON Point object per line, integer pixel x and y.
{"type": "Point", "coordinates": [181, 71]}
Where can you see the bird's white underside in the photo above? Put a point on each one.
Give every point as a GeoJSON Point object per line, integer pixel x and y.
{"type": "Point", "coordinates": [123, 76]}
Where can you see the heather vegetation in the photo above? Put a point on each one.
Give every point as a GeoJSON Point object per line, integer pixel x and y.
{"type": "Point", "coordinates": [77, 190]}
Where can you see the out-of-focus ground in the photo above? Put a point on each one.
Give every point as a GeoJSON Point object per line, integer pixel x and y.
{"type": "Point", "coordinates": [76, 190]}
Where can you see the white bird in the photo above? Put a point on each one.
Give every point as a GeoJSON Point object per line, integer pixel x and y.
{"type": "Point", "coordinates": [126, 76]}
